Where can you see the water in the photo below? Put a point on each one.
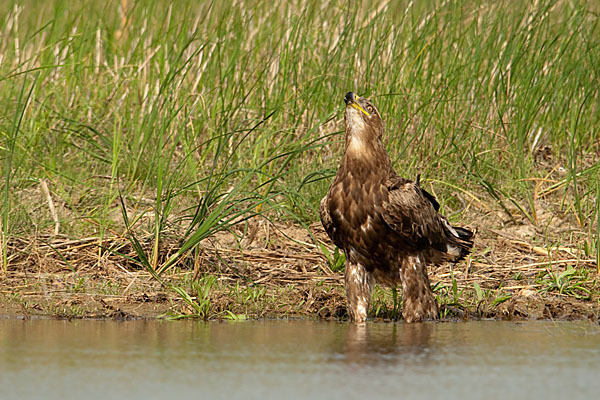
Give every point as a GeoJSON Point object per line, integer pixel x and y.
{"type": "Point", "coordinates": [294, 360]}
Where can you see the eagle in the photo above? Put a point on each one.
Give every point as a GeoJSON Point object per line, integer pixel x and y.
{"type": "Point", "coordinates": [388, 227]}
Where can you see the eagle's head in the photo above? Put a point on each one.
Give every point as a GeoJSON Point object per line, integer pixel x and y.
{"type": "Point", "coordinates": [363, 122]}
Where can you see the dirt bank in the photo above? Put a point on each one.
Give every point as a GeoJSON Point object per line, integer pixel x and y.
{"type": "Point", "coordinates": [280, 272]}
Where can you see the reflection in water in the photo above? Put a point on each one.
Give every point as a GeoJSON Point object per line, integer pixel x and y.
{"type": "Point", "coordinates": [368, 343]}
{"type": "Point", "coordinates": [296, 359]}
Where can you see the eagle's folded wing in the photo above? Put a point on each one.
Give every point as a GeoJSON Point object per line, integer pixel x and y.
{"type": "Point", "coordinates": [328, 223]}
{"type": "Point", "coordinates": [411, 213]}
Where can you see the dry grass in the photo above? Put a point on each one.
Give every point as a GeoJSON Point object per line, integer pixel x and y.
{"type": "Point", "coordinates": [72, 278]}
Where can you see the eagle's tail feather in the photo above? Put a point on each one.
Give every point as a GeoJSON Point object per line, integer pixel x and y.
{"type": "Point", "coordinates": [460, 241]}
{"type": "Point", "coordinates": [463, 233]}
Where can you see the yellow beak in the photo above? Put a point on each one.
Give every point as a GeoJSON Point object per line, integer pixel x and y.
{"type": "Point", "coordinates": [358, 107]}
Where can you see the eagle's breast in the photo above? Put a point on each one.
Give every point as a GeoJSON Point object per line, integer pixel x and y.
{"type": "Point", "coordinates": [355, 204]}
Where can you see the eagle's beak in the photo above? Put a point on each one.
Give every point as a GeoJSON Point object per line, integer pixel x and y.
{"type": "Point", "coordinates": [352, 100]}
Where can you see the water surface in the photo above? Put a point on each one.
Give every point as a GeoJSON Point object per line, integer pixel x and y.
{"type": "Point", "coordinates": [52, 359]}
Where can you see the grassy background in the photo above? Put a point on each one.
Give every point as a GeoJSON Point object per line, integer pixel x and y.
{"type": "Point", "coordinates": [178, 120]}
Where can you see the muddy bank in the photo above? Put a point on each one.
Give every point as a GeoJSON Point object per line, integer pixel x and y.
{"type": "Point", "coordinates": [57, 296]}
{"type": "Point", "coordinates": [281, 273]}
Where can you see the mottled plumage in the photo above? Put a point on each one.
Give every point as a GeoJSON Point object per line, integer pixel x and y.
{"type": "Point", "coordinates": [388, 227]}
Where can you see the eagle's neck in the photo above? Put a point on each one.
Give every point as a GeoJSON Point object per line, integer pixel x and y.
{"type": "Point", "coordinates": [366, 150]}
{"type": "Point", "coordinates": [364, 154]}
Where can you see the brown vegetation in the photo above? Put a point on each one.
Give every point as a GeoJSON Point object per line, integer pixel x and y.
{"type": "Point", "coordinates": [281, 273]}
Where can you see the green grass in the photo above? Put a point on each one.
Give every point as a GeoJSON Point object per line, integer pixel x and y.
{"type": "Point", "coordinates": [175, 121]}
{"type": "Point", "coordinates": [210, 298]}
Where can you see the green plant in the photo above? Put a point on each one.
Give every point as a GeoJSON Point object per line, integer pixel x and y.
{"type": "Point", "coordinates": [570, 281]}
{"type": "Point", "coordinates": [9, 148]}
{"type": "Point", "coordinates": [200, 304]}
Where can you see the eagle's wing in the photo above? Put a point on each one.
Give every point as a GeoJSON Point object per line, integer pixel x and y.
{"type": "Point", "coordinates": [328, 222]}
{"type": "Point", "coordinates": [411, 212]}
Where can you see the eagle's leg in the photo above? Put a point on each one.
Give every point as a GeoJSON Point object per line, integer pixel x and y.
{"type": "Point", "coordinates": [359, 284]}
{"type": "Point", "coordinates": [417, 298]}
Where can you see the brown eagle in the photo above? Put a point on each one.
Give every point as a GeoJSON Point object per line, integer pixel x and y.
{"type": "Point", "coordinates": [388, 227]}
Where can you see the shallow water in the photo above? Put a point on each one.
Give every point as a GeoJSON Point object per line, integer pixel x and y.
{"type": "Point", "coordinates": [294, 359]}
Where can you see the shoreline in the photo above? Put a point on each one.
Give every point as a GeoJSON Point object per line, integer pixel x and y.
{"type": "Point", "coordinates": [288, 278]}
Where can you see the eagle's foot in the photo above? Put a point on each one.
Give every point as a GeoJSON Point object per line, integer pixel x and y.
{"type": "Point", "coordinates": [420, 308]}
{"type": "Point", "coordinates": [358, 304]}
{"type": "Point", "coordinates": [418, 300]}
{"type": "Point", "coordinates": [358, 315]}
{"type": "Point", "coordinates": [358, 291]}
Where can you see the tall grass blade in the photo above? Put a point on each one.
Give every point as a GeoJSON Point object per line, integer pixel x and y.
{"type": "Point", "coordinates": [23, 101]}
